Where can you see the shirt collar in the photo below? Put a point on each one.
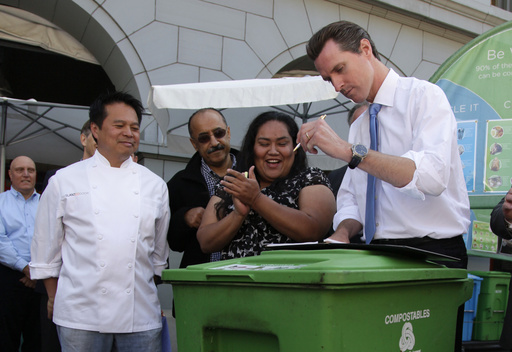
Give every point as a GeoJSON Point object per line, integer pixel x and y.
{"type": "Point", "coordinates": [386, 94]}
{"type": "Point", "coordinates": [16, 194]}
{"type": "Point", "coordinates": [104, 161]}
{"type": "Point", "coordinates": [205, 166]}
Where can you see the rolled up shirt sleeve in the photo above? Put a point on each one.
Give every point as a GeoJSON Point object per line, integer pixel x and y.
{"type": "Point", "coordinates": [433, 145]}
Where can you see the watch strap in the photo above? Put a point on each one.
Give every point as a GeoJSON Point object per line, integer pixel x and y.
{"type": "Point", "coordinates": [356, 159]}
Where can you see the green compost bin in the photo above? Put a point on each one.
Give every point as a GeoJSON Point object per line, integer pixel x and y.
{"type": "Point", "coordinates": [318, 300]}
{"type": "Point", "coordinates": [492, 305]}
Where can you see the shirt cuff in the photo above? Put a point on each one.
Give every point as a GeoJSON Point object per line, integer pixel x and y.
{"type": "Point", "coordinates": [20, 264]}
{"type": "Point", "coordinates": [43, 271]}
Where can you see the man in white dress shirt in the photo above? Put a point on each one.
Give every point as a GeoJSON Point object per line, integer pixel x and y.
{"type": "Point", "coordinates": [100, 232]}
{"type": "Point", "coordinates": [421, 199]}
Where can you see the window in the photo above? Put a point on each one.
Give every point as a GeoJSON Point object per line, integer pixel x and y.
{"type": "Point", "coordinates": [504, 4]}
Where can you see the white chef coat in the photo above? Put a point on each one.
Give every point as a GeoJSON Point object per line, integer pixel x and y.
{"type": "Point", "coordinates": [415, 122]}
{"type": "Point", "coordinates": [102, 231]}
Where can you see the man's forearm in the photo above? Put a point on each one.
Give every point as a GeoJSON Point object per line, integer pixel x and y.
{"type": "Point", "coordinates": [51, 286]}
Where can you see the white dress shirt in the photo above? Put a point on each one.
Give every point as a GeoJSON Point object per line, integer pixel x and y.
{"type": "Point", "coordinates": [102, 231]}
{"type": "Point", "coordinates": [415, 122]}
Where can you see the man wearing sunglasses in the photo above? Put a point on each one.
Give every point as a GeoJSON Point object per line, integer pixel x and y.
{"type": "Point", "coordinates": [190, 189]}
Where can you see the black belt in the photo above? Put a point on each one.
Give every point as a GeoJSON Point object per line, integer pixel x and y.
{"type": "Point", "coordinates": [415, 241]}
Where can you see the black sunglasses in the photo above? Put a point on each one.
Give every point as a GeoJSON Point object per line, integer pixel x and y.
{"type": "Point", "coordinates": [205, 138]}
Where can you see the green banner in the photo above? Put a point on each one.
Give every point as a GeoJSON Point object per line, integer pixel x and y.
{"type": "Point", "coordinates": [477, 80]}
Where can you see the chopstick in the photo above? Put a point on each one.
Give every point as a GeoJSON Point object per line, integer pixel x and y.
{"type": "Point", "coordinates": [298, 145]}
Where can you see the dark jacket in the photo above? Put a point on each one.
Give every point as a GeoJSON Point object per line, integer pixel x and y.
{"type": "Point", "coordinates": [498, 224]}
{"type": "Point", "coordinates": [336, 177]}
{"type": "Point", "coordinates": [187, 190]}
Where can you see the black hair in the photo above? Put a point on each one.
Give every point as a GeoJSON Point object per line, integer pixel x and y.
{"type": "Point", "coordinates": [201, 111]}
{"type": "Point", "coordinates": [86, 128]}
{"type": "Point", "coordinates": [245, 157]}
{"type": "Point", "coordinates": [346, 34]}
{"type": "Point", "coordinates": [98, 113]}
{"type": "Point", "coordinates": [352, 111]}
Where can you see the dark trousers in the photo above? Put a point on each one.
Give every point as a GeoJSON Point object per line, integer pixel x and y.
{"type": "Point", "coordinates": [49, 337]}
{"type": "Point", "coordinates": [19, 313]}
{"type": "Point", "coordinates": [454, 247]}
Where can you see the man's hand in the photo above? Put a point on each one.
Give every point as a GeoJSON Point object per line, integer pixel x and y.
{"type": "Point", "coordinates": [49, 307]}
{"type": "Point", "coordinates": [25, 280]}
{"type": "Point", "coordinates": [345, 230]}
{"type": "Point", "coordinates": [507, 206]}
{"type": "Point", "coordinates": [194, 216]}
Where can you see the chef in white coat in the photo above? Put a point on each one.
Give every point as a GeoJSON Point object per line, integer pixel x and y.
{"type": "Point", "coordinates": [100, 239]}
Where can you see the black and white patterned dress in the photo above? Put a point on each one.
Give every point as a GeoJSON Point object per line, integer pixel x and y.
{"type": "Point", "coordinates": [255, 231]}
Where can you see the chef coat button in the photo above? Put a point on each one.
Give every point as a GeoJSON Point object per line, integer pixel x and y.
{"type": "Point", "coordinates": [136, 216]}
{"type": "Point", "coordinates": [102, 264]}
{"type": "Point", "coordinates": [376, 224]}
{"type": "Point", "coordinates": [103, 290]}
{"type": "Point", "coordinates": [96, 211]}
{"type": "Point", "coordinates": [94, 186]}
{"type": "Point", "coordinates": [130, 265]}
{"type": "Point", "coordinates": [134, 171]}
{"type": "Point", "coordinates": [100, 237]}
{"type": "Point", "coordinates": [128, 291]}
{"type": "Point", "coordinates": [132, 239]}
{"type": "Point", "coordinates": [136, 192]}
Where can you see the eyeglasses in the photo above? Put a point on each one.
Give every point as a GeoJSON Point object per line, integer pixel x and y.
{"type": "Point", "coordinates": [218, 133]}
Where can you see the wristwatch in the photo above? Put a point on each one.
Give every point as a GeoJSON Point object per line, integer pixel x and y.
{"type": "Point", "coordinates": [359, 152]}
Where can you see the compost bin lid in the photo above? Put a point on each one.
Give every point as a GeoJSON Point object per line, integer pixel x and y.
{"type": "Point", "coordinates": [339, 266]}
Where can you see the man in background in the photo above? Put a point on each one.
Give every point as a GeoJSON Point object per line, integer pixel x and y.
{"type": "Point", "coordinates": [87, 140]}
{"type": "Point", "coordinates": [501, 225]}
{"type": "Point", "coordinates": [190, 189]}
{"type": "Point", "coordinates": [19, 303]}
{"type": "Point", "coordinates": [88, 143]}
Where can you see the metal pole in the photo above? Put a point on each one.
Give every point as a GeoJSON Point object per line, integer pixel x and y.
{"type": "Point", "coordinates": [2, 160]}
{"type": "Point", "coordinates": [3, 123]}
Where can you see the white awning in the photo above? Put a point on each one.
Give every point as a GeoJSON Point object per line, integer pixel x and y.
{"type": "Point", "coordinates": [236, 94]}
{"type": "Point", "coordinates": [242, 94]}
{"type": "Point", "coordinates": [169, 102]}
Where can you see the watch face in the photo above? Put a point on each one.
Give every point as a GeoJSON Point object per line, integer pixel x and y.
{"type": "Point", "coordinates": [360, 150]}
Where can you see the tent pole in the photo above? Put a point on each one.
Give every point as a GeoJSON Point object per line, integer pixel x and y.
{"type": "Point", "coordinates": [3, 122]}
{"type": "Point", "coordinates": [2, 160]}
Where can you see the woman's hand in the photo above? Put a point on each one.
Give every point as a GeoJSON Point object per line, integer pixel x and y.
{"type": "Point", "coordinates": [244, 190]}
{"type": "Point", "coordinates": [240, 208]}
